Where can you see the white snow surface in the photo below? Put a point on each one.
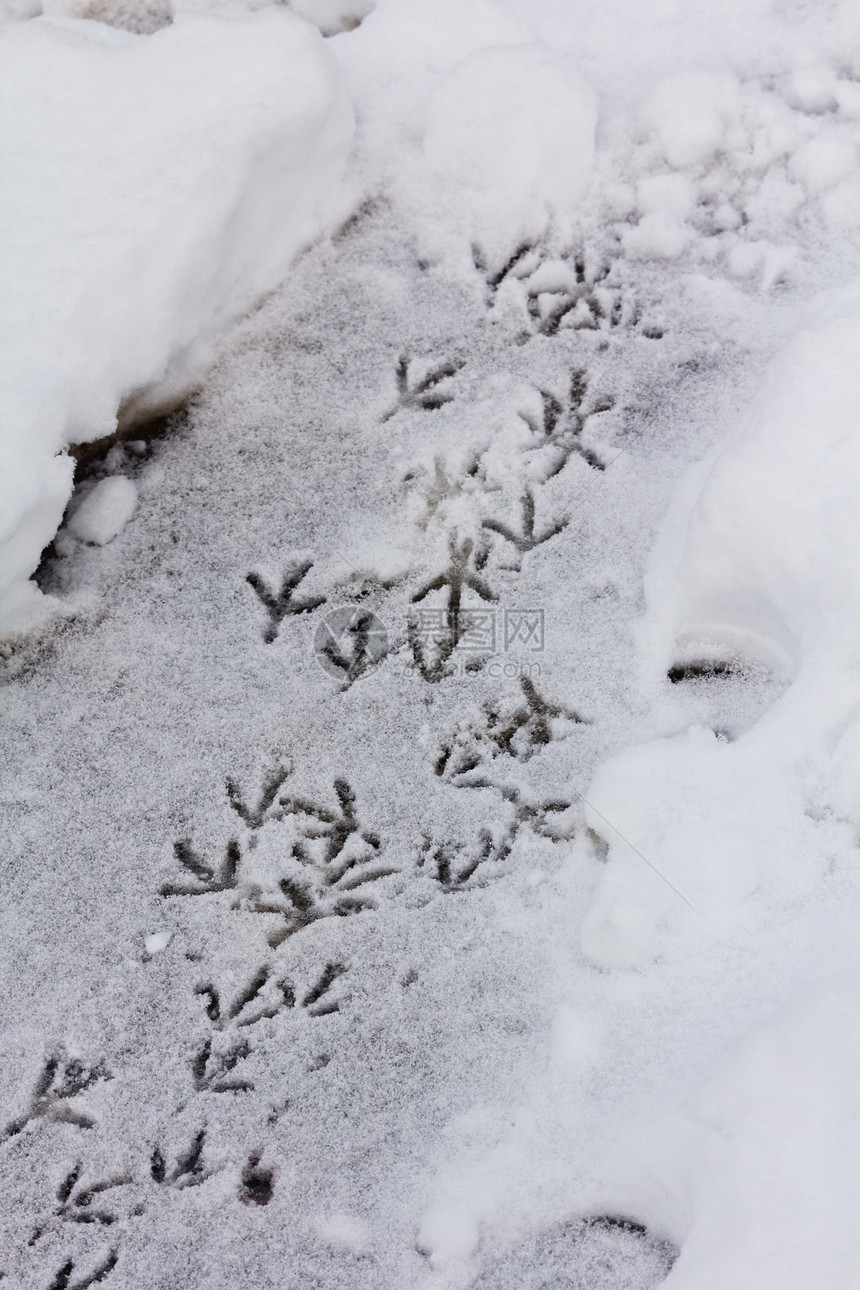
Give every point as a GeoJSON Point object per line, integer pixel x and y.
{"type": "Point", "coordinates": [105, 511]}
{"type": "Point", "coordinates": [154, 188]}
{"type": "Point", "coordinates": [768, 563]}
{"type": "Point", "coordinates": [507, 151]}
{"type": "Point", "coordinates": [435, 815]}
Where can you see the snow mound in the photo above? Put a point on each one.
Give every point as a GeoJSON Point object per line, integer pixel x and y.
{"type": "Point", "coordinates": [478, 129]}
{"type": "Point", "coordinates": [715, 838]}
{"type": "Point", "coordinates": [508, 148]}
{"type": "Point", "coordinates": [126, 258]}
{"type": "Point", "coordinates": [689, 113]}
{"type": "Point", "coordinates": [757, 529]}
{"type": "Point", "coordinates": [105, 511]}
{"type": "Point", "coordinates": [781, 1111]}
{"type": "Point", "coordinates": [740, 169]}
{"type": "Point", "coordinates": [745, 575]}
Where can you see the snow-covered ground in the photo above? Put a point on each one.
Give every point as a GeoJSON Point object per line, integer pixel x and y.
{"type": "Point", "coordinates": [431, 742]}
{"type": "Point", "coordinates": [155, 188]}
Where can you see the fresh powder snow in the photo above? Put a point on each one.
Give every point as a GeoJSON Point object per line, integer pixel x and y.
{"type": "Point", "coordinates": [430, 567]}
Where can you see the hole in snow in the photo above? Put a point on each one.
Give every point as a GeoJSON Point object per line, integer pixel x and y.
{"type": "Point", "coordinates": [727, 694]}
{"type": "Point", "coordinates": [688, 671]}
{"type": "Point", "coordinates": [606, 1252]}
{"type": "Point", "coordinates": [125, 453]}
{"type": "Point", "coordinates": [138, 434]}
{"type": "Point", "coordinates": [258, 1183]}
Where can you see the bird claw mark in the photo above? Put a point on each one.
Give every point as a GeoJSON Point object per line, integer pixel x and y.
{"type": "Point", "coordinates": [337, 856]}
{"type": "Point", "coordinates": [446, 485]}
{"type": "Point", "coordinates": [434, 635]}
{"type": "Point", "coordinates": [589, 301]}
{"type": "Point", "coordinates": [537, 816]}
{"type": "Point", "coordinates": [353, 648]}
{"type": "Point", "coordinates": [305, 907]}
{"type": "Point", "coordinates": [551, 414]}
{"type": "Point", "coordinates": [75, 1202]}
{"type": "Point", "coordinates": [558, 431]}
{"type": "Point", "coordinates": [526, 813]}
{"type": "Point", "coordinates": [255, 816]}
{"type": "Point", "coordinates": [314, 1001]}
{"type": "Point", "coordinates": [422, 395]}
{"type": "Point", "coordinates": [208, 880]}
{"type": "Point", "coordinates": [333, 828]}
{"type": "Point", "coordinates": [519, 734]}
{"type": "Point", "coordinates": [517, 265]}
{"type": "Point", "coordinates": [211, 1071]}
{"type": "Point", "coordinates": [527, 539]}
{"type": "Point", "coordinates": [60, 1080]}
{"type": "Point", "coordinates": [279, 605]}
{"type": "Point", "coordinates": [188, 1171]}
{"type": "Point", "coordinates": [62, 1280]}
{"type": "Point", "coordinates": [235, 1013]}
{"type": "Point", "coordinates": [437, 858]}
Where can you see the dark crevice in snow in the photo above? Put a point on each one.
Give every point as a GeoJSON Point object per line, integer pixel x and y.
{"type": "Point", "coordinates": [125, 454]}
{"type": "Point", "coordinates": [689, 671]}
{"type": "Point", "coordinates": [135, 441]}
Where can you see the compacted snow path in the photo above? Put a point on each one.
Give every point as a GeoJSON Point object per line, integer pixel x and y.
{"type": "Point", "coordinates": [397, 894]}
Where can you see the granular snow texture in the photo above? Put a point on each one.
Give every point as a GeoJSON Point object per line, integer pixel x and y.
{"type": "Point", "coordinates": [431, 825]}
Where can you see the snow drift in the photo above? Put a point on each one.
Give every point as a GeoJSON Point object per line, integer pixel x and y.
{"type": "Point", "coordinates": [756, 829]}
{"type": "Point", "coordinates": [155, 187]}
{"type": "Point", "coordinates": [508, 149]}
{"type": "Point", "coordinates": [767, 561]}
